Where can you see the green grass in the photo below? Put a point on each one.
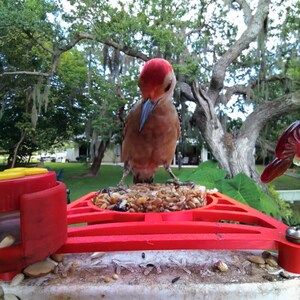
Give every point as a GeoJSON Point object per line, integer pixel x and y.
{"type": "Point", "coordinates": [284, 182]}
{"type": "Point", "coordinates": [74, 176]}
{"type": "Point", "coordinates": [110, 175]}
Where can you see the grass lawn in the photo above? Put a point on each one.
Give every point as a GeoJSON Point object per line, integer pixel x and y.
{"type": "Point", "coordinates": [284, 182]}
{"type": "Point", "coordinates": [74, 177]}
{"type": "Point", "coordinates": [109, 176]}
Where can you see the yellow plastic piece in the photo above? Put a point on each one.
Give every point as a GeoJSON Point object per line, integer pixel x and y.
{"type": "Point", "coordinates": [12, 175]}
{"type": "Point", "coordinates": [14, 170]}
{"type": "Point", "coordinates": [35, 171]}
{"type": "Point", "coordinates": [21, 172]}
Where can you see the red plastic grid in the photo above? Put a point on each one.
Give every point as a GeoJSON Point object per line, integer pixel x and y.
{"type": "Point", "coordinates": [244, 229]}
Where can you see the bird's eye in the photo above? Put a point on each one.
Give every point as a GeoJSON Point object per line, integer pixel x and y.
{"type": "Point", "coordinates": [168, 86]}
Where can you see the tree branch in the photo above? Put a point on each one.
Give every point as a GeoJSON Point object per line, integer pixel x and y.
{"type": "Point", "coordinates": [246, 9]}
{"type": "Point", "coordinates": [123, 48]}
{"type": "Point", "coordinates": [266, 144]}
{"type": "Point", "coordinates": [75, 40]}
{"type": "Point", "coordinates": [204, 101]}
{"type": "Point", "coordinates": [248, 89]}
{"type": "Point", "coordinates": [254, 26]}
{"type": "Point", "coordinates": [268, 110]}
{"type": "Point", "coordinates": [238, 90]}
{"type": "Point", "coordinates": [30, 35]}
{"type": "Point", "coordinates": [127, 50]}
{"type": "Point", "coordinates": [24, 73]}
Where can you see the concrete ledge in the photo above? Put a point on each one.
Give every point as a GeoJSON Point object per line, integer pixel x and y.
{"type": "Point", "coordinates": [265, 291]}
{"type": "Point", "coordinates": [173, 275]}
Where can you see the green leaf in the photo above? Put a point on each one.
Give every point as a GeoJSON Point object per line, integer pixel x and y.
{"type": "Point", "coordinates": [246, 191]}
{"type": "Point", "coordinates": [206, 174]}
{"type": "Point", "coordinates": [240, 187]}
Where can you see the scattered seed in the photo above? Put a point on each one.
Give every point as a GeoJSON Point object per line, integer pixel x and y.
{"type": "Point", "coordinates": [39, 269]}
{"type": "Point", "coordinates": [256, 259]}
{"type": "Point", "coordinates": [175, 279]}
{"type": "Point", "coordinates": [181, 265]}
{"type": "Point", "coordinates": [284, 275]}
{"type": "Point", "coordinates": [64, 263]}
{"type": "Point", "coordinates": [97, 255]}
{"type": "Point", "coordinates": [96, 262]}
{"type": "Point", "coordinates": [266, 254]}
{"type": "Point", "coordinates": [221, 266]}
{"type": "Point", "coordinates": [52, 261]}
{"type": "Point", "coordinates": [271, 262]}
{"type": "Point", "coordinates": [118, 269]}
{"type": "Point", "coordinates": [115, 276]}
{"type": "Point", "coordinates": [17, 279]}
{"type": "Point", "coordinates": [106, 279]}
{"type": "Point", "coordinates": [57, 257]}
{"type": "Point", "coordinates": [148, 270]}
{"type": "Point", "coordinates": [75, 264]}
{"type": "Point", "coordinates": [7, 241]}
{"type": "Point", "coordinates": [143, 255]}
{"type": "Point", "coordinates": [268, 277]}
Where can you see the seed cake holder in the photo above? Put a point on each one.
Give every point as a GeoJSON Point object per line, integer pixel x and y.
{"type": "Point", "coordinates": [223, 224]}
{"type": "Point", "coordinates": [47, 227]}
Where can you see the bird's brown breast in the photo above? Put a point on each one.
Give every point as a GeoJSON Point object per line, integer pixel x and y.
{"type": "Point", "coordinates": [155, 144]}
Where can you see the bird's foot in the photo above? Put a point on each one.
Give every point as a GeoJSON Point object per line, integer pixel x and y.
{"type": "Point", "coordinates": [177, 182]}
{"type": "Point", "coordinates": [122, 187]}
{"type": "Point", "coordinates": [110, 190]}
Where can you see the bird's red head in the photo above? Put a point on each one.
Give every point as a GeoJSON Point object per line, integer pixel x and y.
{"type": "Point", "coordinates": [156, 79]}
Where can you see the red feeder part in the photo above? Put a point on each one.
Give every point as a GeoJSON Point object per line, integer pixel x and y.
{"type": "Point", "coordinates": [11, 190]}
{"type": "Point", "coordinates": [223, 224]}
{"type": "Point", "coordinates": [33, 211]}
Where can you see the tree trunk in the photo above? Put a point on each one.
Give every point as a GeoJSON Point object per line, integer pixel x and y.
{"type": "Point", "coordinates": [235, 154]}
{"type": "Point", "coordinates": [17, 148]}
{"type": "Point", "coordinates": [98, 158]}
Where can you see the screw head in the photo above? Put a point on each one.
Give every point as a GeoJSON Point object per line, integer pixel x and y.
{"type": "Point", "coordinates": [293, 234]}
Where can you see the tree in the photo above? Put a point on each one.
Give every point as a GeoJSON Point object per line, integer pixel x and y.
{"type": "Point", "coordinates": [235, 150]}
{"type": "Point", "coordinates": [169, 36]}
{"type": "Point", "coordinates": [31, 47]}
{"type": "Point", "coordinates": [216, 63]}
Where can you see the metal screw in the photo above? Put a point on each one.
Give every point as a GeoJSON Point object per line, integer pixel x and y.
{"type": "Point", "coordinates": [293, 234]}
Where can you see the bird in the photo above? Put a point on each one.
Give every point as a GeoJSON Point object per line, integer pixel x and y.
{"type": "Point", "coordinates": [287, 152]}
{"type": "Point", "coordinates": [152, 127]}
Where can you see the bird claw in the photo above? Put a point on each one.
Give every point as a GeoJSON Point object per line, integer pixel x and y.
{"type": "Point", "coordinates": [109, 190]}
{"type": "Point", "coordinates": [121, 187]}
{"type": "Point", "coordinates": [178, 183]}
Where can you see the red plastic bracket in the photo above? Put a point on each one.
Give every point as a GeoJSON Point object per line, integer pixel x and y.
{"type": "Point", "coordinates": [43, 229]}
{"type": "Point", "coordinates": [223, 224]}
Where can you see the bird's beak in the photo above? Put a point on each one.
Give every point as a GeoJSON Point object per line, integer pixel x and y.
{"type": "Point", "coordinates": [147, 108]}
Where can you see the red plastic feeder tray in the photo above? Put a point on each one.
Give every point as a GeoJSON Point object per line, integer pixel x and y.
{"type": "Point", "coordinates": [202, 228]}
